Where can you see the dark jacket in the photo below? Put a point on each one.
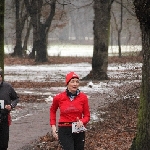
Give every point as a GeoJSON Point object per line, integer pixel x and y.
{"type": "Point", "coordinates": [8, 94]}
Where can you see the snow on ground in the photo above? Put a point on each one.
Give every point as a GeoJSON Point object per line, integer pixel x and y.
{"type": "Point", "coordinates": [79, 50]}
{"type": "Point", "coordinates": [122, 75]}
{"type": "Point", "coordinates": [48, 73]}
{"type": "Point", "coordinates": [100, 93]}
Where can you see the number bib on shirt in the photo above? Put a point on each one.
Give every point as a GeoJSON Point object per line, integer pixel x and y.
{"type": "Point", "coordinates": [75, 129]}
{"type": "Point", "coordinates": [1, 104]}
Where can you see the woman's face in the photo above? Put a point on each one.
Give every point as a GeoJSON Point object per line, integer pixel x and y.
{"type": "Point", "coordinates": [73, 85]}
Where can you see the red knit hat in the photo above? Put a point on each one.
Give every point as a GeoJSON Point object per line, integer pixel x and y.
{"type": "Point", "coordinates": [71, 75]}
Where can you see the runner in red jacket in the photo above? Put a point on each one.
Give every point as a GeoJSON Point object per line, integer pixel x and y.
{"type": "Point", "coordinates": [74, 107]}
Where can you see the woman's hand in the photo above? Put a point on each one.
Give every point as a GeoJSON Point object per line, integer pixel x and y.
{"type": "Point", "coordinates": [79, 123]}
{"type": "Point", "coordinates": [54, 132]}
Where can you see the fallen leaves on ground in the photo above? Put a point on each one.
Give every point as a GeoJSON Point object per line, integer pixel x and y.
{"type": "Point", "coordinates": [117, 130]}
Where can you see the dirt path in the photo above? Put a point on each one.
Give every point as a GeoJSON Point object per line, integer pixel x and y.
{"type": "Point", "coordinates": [28, 129]}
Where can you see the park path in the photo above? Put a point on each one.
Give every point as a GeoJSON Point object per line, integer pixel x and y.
{"type": "Point", "coordinates": [29, 128]}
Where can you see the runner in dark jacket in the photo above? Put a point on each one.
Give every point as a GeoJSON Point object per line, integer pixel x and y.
{"type": "Point", "coordinates": [8, 101]}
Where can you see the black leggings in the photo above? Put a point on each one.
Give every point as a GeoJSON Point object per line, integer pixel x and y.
{"type": "Point", "coordinates": [69, 140]}
{"type": "Point", "coordinates": [4, 135]}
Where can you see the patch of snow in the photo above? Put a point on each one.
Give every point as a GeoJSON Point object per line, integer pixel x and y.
{"type": "Point", "coordinates": [121, 75]}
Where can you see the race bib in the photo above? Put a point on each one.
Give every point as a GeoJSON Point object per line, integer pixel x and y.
{"type": "Point", "coordinates": [1, 104]}
{"type": "Point", "coordinates": [75, 129]}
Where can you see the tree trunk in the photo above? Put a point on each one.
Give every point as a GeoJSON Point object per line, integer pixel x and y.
{"type": "Point", "coordinates": [32, 54]}
{"type": "Point", "coordinates": [120, 29]}
{"type": "Point", "coordinates": [20, 22]}
{"type": "Point", "coordinates": [142, 138]}
{"type": "Point", "coordinates": [18, 47]}
{"type": "Point", "coordinates": [101, 40]}
{"type": "Point", "coordinates": [41, 46]}
{"type": "Point", "coordinates": [2, 6]}
{"type": "Point", "coordinates": [40, 29]}
{"type": "Point", "coordinates": [24, 49]}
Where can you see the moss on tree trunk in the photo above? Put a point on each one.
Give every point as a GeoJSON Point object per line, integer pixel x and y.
{"type": "Point", "coordinates": [142, 138]}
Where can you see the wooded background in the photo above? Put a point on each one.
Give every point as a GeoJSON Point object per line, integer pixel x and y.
{"type": "Point", "coordinates": [74, 23]}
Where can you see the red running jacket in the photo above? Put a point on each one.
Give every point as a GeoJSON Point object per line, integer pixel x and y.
{"type": "Point", "coordinates": [70, 110]}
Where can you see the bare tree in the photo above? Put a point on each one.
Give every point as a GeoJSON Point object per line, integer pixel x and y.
{"type": "Point", "coordinates": [21, 17]}
{"type": "Point", "coordinates": [24, 48]}
{"type": "Point", "coordinates": [101, 40]}
{"type": "Point", "coordinates": [142, 138]}
{"type": "Point", "coordinates": [40, 29]}
{"type": "Point", "coordinates": [120, 29]}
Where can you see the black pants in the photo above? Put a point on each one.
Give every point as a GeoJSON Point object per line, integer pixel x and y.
{"type": "Point", "coordinates": [69, 140]}
{"type": "Point", "coordinates": [4, 135]}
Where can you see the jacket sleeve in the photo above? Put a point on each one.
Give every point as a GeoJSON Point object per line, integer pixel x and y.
{"type": "Point", "coordinates": [53, 110]}
{"type": "Point", "coordinates": [14, 97]}
{"type": "Point", "coordinates": [86, 112]}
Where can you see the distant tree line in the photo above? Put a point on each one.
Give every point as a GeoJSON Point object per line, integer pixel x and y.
{"type": "Point", "coordinates": [73, 20]}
